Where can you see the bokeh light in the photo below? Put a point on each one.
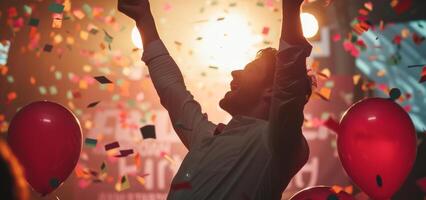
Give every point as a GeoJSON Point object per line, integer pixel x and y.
{"type": "Point", "coordinates": [136, 38]}
{"type": "Point", "coordinates": [309, 25]}
{"type": "Point", "coordinates": [228, 43]}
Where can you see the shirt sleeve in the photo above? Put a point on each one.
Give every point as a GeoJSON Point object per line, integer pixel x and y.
{"type": "Point", "coordinates": [290, 93]}
{"type": "Point", "coordinates": [185, 113]}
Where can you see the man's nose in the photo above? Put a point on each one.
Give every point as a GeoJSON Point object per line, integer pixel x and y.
{"type": "Point", "coordinates": [235, 73]}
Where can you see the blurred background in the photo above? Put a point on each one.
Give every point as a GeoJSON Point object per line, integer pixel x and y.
{"type": "Point", "coordinates": [361, 49]}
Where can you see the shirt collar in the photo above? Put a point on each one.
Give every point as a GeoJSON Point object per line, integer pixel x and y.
{"type": "Point", "coordinates": [240, 120]}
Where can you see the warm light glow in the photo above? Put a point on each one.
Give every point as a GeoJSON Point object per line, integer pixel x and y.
{"type": "Point", "coordinates": [136, 38]}
{"type": "Point", "coordinates": [228, 43]}
{"type": "Point", "coordinates": [309, 25]}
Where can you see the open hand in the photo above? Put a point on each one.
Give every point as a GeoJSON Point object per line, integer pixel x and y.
{"type": "Point", "coordinates": [138, 10]}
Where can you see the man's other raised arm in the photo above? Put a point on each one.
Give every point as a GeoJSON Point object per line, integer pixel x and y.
{"type": "Point", "coordinates": [185, 113]}
{"type": "Point", "coordinates": [290, 91]}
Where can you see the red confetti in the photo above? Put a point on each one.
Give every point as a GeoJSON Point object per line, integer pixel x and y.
{"type": "Point", "coordinates": [423, 75]}
{"type": "Point", "coordinates": [422, 184]}
{"type": "Point", "coordinates": [418, 39]}
{"type": "Point", "coordinates": [401, 6]}
{"type": "Point", "coordinates": [332, 124]}
{"type": "Point", "coordinates": [336, 37]}
{"type": "Point", "coordinates": [265, 30]}
{"type": "Point", "coordinates": [181, 186]}
{"type": "Point", "coordinates": [397, 40]}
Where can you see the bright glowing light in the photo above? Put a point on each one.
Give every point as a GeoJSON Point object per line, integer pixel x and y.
{"type": "Point", "coordinates": [136, 38]}
{"type": "Point", "coordinates": [228, 44]}
{"type": "Point", "coordinates": [309, 25]}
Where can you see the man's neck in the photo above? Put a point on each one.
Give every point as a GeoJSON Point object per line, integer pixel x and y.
{"type": "Point", "coordinates": [260, 112]}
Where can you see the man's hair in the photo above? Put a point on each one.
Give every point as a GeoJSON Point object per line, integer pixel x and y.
{"type": "Point", "coordinates": [269, 54]}
{"type": "Point", "coordinates": [12, 182]}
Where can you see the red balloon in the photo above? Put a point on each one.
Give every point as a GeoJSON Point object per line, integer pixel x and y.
{"type": "Point", "coordinates": [46, 139]}
{"type": "Point", "coordinates": [321, 193]}
{"type": "Point", "coordinates": [377, 146]}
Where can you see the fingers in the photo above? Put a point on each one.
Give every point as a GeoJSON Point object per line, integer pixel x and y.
{"type": "Point", "coordinates": [127, 9]}
{"type": "Point", "coordinates": [134, 9]}
{"type": "Point", "coordinates": [130, 2]}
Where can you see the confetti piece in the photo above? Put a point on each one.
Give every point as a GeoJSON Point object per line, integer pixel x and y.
{"type": "Point", "coordinates": [413, 66]}
{"type": "Point", "coordinates": [337, 189]}
{"type": "Point", "coordinates": [91, 105]}
{"type": "Point", "coordinates": [379, 181]}
{"type": "Point", "coordinates": [92, 29]}
{"type": "Point", "coordinates": [78, 14]}
{"type": "Point", "coordinates": [4, 51]}
{"type": "Point", "coordinates": [34, 22]}
{"type": "Point", "coordinates": [125, 153]}
{"type": "Point", "coordinates": [336, 37]}
{"type": "Point", "coordinates": [418, 39]}
{"type": "Point", "coordinates": [167, 157]}
{"type": "Point", "coordinates": [423, 75]}
{"type": "Point", "coordinates": [363, 12]}
{"type": "Point", "coordinates": [124, 184]}
{"type": "Point", "coordinates": [48, 48]}
{"type": "Point", "coordinates": [90, 142]}
{"type": "Point", "coordinates": [113, 145]}
{"type": "Point", "coordinates": [102, 80]}
{"type": "Point", "coordinates": [148, 131]}
{"type": "Point", "coordinates": [394, 94]}
{"type": "Point", "coordinates": [42, 90]}
{"type": "Point", "coordinates": [324, 93]}
{"type": "Point", "coordinates": [401, 6]}
{"type": "Point", "coordinates": [332, 197]}
{"type": "Point", "coordinates": [138, 161]}
{"type": "Point", "coordinates": [141, 180]}
{"type": "Point", "coordinates": [83, 183]}
{"type": "Point", "coordinates": [53, 90]}
{"type": "Point", "coordinates": [332, 124]}
{"type": "Point", "coordinates": [265, 30]}
{"type": "Point", "coordinates": [11, 96]}
{"type": "Point", "coordinates": [108, 39]}
{"type": "Point", "coordinates": [181, 186]}
{"type": "Point", "coordinates": [167, 7]}
{"type": "Point", "coordinates": [54, 182]}
{"type": "Point", "coordinates": [28, 10]}
{"type": "Point", "coordinates": [10, 79]}
{"type": "Point", "coordinates": [368, 6]}
{"type": "Point", "coordinates": [88, 10]}
{"type": "Point", "coordinates": [103, 167]}
{"type": "Point", "coordinates": [84, 35]}
{"type": "Point", "coordinates": [381, 73]}
{"type": "Point", "coordinates": [421, 183]}
{"type": "Point", "coordinates": [56, 8]}
{"type": "Point", "coordinates": [349, 189]}
{"type": "Point", "coordinates": [325, 73]}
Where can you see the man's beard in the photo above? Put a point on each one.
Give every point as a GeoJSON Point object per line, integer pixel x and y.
{"type": "Point", "coordinates": [237, 104]}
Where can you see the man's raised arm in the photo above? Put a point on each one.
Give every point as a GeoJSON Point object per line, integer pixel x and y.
{"type": "Point", "coordinates": [185, 113]}
{"type": "Point", "coordinates": [290, 91]}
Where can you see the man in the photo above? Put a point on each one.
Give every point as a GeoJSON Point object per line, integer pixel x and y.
{"type": "Point", "coordinates": [258, 152]}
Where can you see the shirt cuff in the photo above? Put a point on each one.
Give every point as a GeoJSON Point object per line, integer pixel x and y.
{"type": "Point", "coordinates": [307, 48]}
{"type": "Point", "coordinates": [153, 50]}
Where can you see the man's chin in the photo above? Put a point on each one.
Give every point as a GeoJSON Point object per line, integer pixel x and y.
{"type": "Point", "coordinates": [226, 104]}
